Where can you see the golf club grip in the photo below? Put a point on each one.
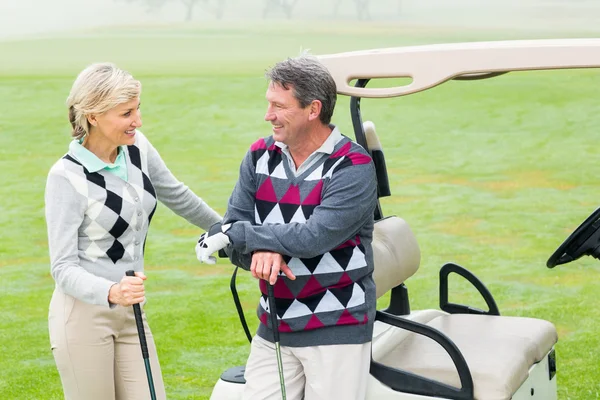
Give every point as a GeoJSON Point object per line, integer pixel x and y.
{"type": "Point", "coordinates": [137, 311]}
{"type": "Point", "coordinates": [273, 311]}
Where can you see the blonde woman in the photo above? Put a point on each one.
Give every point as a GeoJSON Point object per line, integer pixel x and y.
{"type": "Point", "coordinates": [100, 198]}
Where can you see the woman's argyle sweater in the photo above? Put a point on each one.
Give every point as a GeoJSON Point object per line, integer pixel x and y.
{"type": "Point", "coordinates": [97, 222]}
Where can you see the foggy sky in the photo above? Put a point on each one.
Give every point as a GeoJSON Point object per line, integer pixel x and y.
{"type": "Point", "coordinates": [38, 17]}
{"type": "Point", "coordinates": [30, 17]}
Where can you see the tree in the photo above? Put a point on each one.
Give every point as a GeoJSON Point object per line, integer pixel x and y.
{"type": "Point", "coordinates": [151, 5]}
{"type": "Point", "coordinates": [189, 7]}
{"type": "Point", "coordinates": [362, 8]}
{"type": "Point", "coordinates": [336, 7]}
{"type": "Point", "coordinates": [287, 6]}
{"type": "Point", "coordinates": [215, 7]}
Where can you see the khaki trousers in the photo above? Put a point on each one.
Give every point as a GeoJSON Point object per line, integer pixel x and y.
{"type": "Point", "coordinates": [97, 351]}
{"type": "Point", "coordinates": [310, 373]}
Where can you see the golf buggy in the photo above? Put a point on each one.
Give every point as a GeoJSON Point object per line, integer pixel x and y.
{"type": "Point", "coordinates": [458, 351]}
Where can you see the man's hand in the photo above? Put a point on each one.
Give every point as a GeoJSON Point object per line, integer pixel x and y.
{"type": "Point", "coordinates": [267, 264]}
{"type": "Point", "coordinates": [212, 241]}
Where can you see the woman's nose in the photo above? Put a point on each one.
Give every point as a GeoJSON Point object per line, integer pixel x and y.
{"type": "Point", "coordinates": [138, 120]}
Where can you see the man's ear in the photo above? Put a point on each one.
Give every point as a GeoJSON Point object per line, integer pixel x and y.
{"type": "Point", "coordinates": [92, 119]}
{"type": "Point", "coordinates": [315, 110]}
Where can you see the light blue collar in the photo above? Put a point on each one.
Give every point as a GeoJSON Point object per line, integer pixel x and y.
{"type": "Point", "coordinates": [91, 161]}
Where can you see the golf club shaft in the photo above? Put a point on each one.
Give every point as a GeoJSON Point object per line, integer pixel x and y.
{"type": "Point", "coordinates": [275, 325]}
{"type": "Point", "coordinates": [137, 311]}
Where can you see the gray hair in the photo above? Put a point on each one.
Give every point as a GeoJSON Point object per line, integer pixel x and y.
{"type": "Point", "coordinates": [97, 89]}
{"type": "Point", "coordinates": [310, 81]}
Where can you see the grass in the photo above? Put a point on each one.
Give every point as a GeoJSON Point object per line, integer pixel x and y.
{"type": "Point", "coordinates": [492, 175]}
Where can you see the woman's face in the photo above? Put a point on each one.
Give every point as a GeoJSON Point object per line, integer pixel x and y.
{"type": "Point", "coordinates": [117, 126]}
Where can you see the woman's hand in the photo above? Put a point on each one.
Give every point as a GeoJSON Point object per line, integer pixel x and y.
{"type": "Point", "coordinates": [129, 291]}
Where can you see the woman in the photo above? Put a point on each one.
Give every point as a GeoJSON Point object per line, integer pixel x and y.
{"type": "Point", "coordinates": [100, 198]}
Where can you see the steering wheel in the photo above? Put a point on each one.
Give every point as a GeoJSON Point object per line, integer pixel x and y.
{"type": "Point", "coordinates": [584, 241]}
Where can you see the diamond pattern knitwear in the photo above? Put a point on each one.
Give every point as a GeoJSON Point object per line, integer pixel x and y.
{"type": "Point", "coordinates": [98, 223]}
{"type": "Point", "coordinates": [321, 221]}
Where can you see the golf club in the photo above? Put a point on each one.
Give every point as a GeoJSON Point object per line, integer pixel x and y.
{"type": "Point", "coordinates": [140, 328]}
{"type": "Point", "coordinates": [273, 313]}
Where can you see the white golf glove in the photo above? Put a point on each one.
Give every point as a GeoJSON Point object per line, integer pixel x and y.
{"type": "Point", "coordinates": [212, 241]}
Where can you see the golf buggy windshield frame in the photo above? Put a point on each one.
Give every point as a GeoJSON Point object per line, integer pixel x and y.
{"type": "Point", "coordinates": [431, 65]}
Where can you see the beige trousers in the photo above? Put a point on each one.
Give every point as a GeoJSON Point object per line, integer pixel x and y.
{"type": "Point", "coordinates": [97, 351]}
{"type": "Point", "coordinates": [310, 373]}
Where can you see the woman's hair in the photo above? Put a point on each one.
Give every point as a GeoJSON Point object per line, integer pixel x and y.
{"type": "Point", "coordinates": [309, 79]}
{"type": "Point", "coordinates": [97, 89]}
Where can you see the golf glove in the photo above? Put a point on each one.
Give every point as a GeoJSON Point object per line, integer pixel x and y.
{"type": "Point", "coordinates": [212, 241]}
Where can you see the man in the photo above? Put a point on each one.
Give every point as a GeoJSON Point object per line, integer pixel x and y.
{"type": "Point", "coordinates": [301, 217]}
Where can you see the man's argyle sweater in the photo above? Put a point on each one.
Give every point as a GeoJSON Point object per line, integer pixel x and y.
{"type": "Point", "coordinates": [321, 221]}
{"type": "Point", "coordinates": [97, 222]}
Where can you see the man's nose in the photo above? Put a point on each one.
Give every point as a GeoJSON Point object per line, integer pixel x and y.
{"type": "Point", "coordinates": [270, 114]}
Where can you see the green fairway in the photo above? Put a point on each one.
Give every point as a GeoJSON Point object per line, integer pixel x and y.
{"type": "Point", "coordinates": [492, 175]}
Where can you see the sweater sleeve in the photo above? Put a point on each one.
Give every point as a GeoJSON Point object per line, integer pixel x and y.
{"type": "Point", "coordinates": [241, 208]}
{"type": "Point", "coordinates": [177, 196]}
{"type": "Point", "coordinates": [347, 205]}
{"type": "Point", "coordinates": [65, 211]}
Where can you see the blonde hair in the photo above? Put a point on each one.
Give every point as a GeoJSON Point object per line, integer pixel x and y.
{"type": "Point", "coordinates": [97, 89]}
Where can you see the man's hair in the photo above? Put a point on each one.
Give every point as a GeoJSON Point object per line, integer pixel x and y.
{"type": "Point", "coordinates": [309, 79]}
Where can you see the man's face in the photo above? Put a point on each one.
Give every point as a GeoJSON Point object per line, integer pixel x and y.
{"type": "Point", "coordinates": [289, 120]}
{"type": "Point", "coordinates": [117, 126]}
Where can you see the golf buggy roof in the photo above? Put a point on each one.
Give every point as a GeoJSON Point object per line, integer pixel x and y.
{"type": "Point", "coordinates": [431, 65]}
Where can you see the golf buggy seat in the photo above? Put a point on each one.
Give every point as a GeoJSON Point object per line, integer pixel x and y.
{"type": "Point", "coordinates": [450, 354]}
{"type": "Point", "coordinates": [458, 352]}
